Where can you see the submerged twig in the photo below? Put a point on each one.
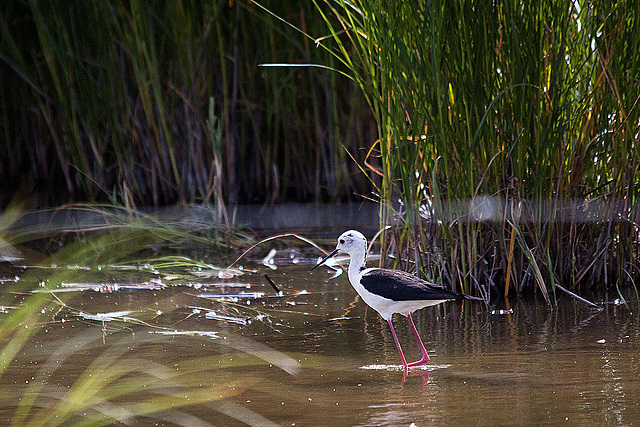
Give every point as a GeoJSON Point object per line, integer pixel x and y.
{"type": "Point", "coordinates": [578, 297]}
{"type": "Point", "coordinates": [273, 285]}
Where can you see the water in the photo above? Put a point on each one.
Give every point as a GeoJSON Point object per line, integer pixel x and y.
{"type": "Point", "coordinates": [150, 348]}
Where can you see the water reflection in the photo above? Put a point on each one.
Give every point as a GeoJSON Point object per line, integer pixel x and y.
{"type": "Point", "coordinates": [314, 355]}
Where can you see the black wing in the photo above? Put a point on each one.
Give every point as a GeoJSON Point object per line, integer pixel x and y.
{"type": "Point", "coordinates": [401, 286]}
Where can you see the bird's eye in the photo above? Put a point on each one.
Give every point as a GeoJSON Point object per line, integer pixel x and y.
{"type": "Point", "coordinates": [342, 241]}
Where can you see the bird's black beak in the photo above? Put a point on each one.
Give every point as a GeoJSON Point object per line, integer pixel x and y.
{"type": "Point", "coordinates": [324, 259]}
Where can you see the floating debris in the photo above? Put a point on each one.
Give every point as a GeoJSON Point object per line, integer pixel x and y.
{"type": "Point", "coordinates": [107, 317]}
{"type": "Point", "coordinates": [220, 274]}
{"type": "Point", "coordinates": [196, 285]}
{"type": "Point", "coordinates": [269, 260]}
{"type": "Point", "coordinates": [219, 285]}
{"type": "Point", "coordinates": [194, 267]}
{"type": "Point", "coordinates": [210, 334]}
{"type": "Point", "coordinates": [153, 285]}
{"type": "Point", "coordinates": [235, 297]}
{"type": "Point", "coordinates": [211, 314]}
{"type": "Point", "coordinates": [226, 274]}
{"type": "Point", "coordinates": [215, 316]}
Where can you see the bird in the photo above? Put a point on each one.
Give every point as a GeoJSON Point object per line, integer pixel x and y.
{"type": "Point", "coordinates": [390, 291]}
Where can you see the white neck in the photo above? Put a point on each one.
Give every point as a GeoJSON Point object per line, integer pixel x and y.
{"type": "Point", "coordinates": [357, 264]}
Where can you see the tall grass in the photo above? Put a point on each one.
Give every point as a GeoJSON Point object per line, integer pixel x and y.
{"type": "Point", "coordinates": [115, 101]}
{"type": "Point", "coordinates": [508, 130]}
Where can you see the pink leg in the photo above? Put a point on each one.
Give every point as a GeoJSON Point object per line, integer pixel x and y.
{"type": "Point", "coordinates": [395, 338]}
{"type": "Point", "coordinates": [425, 356]}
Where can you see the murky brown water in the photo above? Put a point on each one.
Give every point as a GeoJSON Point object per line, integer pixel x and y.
{"type": "Point", "coordinates": [313, 356]}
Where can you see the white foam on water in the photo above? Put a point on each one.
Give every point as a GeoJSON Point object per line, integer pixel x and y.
{"type": "Point", "coordinates": [400, 367]}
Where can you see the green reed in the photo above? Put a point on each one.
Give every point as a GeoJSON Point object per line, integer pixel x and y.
{"type": "Point", "coordinates": [509, 133]}
{"type": "Point", "coordinates": [113, 101]}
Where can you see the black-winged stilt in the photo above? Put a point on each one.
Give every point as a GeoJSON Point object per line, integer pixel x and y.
{"type": "Point", "coordinates": [390, 291]}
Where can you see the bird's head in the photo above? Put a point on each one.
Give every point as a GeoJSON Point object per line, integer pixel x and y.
{"type": "Point", "coordinates": [350, 242]}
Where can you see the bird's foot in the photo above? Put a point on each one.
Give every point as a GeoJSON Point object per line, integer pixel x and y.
{"type": "Point", "coordinates": [420, 362]}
